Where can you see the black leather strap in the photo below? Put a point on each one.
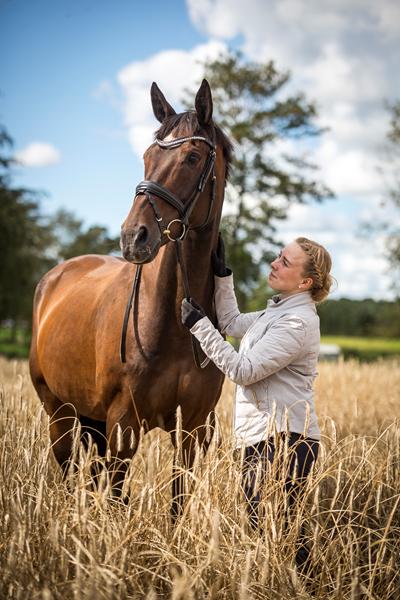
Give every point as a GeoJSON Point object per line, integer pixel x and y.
{"type": "Point", "coordinates": [151, 187]}
{"type": "Point", "coordinates": [132, 296]}
{"type": "Point", "coordinates": [184, 209]}
{"type": "Point", "coordinates": [195, 344]}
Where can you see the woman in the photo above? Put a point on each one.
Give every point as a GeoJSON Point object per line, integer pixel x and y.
{"type": "Point", "coordinates": [275, 366]}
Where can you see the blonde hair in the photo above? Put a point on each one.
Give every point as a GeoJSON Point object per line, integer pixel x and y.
{"type": "Point", "coordinates": [317, 266]}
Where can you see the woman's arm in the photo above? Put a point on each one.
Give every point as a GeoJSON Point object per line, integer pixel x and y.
{"type": "Point", "coordinates": [274, 351]}
{"type": "Point", "coordinates": [230, 320]}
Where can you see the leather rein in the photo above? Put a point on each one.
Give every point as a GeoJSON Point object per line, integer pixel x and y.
{"type": "Point", "coordinates": [151, 189]}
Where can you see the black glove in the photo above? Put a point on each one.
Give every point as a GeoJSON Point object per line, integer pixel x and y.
{"type": "Point", "coordinates": [191, 312]}
{"type": "Point", "coordinates": [218, 259]}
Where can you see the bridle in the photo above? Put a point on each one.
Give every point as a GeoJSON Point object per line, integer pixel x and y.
{"type": "Point", "coordinates": [152, 188]}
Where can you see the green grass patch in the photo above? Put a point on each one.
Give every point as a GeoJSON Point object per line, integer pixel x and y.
{"type": "Point", "coordinates": [364, 348]}
{"type": "Point", "coordinates": [14, 349]}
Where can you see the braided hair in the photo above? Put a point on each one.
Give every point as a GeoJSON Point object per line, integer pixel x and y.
{"type": "Point", "coordinates": [317, 267]}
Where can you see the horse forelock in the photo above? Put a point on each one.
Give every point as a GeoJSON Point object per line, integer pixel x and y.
{"type": "Point", "coordinates": [186, 124]}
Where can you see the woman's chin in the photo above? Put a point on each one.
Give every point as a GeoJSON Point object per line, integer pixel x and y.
{"type": "Point", "coordinates": [273, 284]}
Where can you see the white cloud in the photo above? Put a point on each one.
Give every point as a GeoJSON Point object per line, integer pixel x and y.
{"type": "Point", "coordinates": [223, 22]}
{"type": "Point", "coordinates": [38, 154]}
{"type": "Point", "coordinates": [359, 264]}
{"type": "Point", "coordinates": [348, 171]}
{"type": "Point", "coordinates": [293, 32]}
{"type": "Point", "coordinates": [345, 57]}
{"type": "Point", "coordinates": [336, 75]}
{"type": "Point", "coordinates": [173, 71]}
{"type": "Point", "coordinates": [388, 16]}
{"type": "Point", "coordinates": [337, 53]}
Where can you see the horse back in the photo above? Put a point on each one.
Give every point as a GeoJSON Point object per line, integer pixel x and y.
{"type": "Point", "coordinates": [73, 305]}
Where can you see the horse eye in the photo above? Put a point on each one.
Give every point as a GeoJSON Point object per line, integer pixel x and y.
{"type": "Point", "coordinates": [193, 158]}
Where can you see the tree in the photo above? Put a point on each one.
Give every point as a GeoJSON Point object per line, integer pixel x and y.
{"type": "Point", "coordinates": [251, 107]}
{"type": "Point", "coordinates": [72, 239]}
{"type": "Point", "coordinates": [24, 238]}
{"type": "Point", "coordinates": [31, 243]}
{"type": "Point", "coordinates": [362, 318]}
{"type": "Point", "coordinates": [393, 230]}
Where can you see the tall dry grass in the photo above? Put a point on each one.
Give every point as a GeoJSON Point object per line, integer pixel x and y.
{"type": "Point", "coordinates": [63, 544]}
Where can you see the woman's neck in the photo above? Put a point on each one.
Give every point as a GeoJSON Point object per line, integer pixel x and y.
{"type": "Point", "coordinates": [292, 293]}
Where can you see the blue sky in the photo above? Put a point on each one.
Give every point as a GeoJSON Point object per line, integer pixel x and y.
{"type": "Point", "coordinates": [57, 54]}
{"type": "Point", "coordinates": [74, 95]}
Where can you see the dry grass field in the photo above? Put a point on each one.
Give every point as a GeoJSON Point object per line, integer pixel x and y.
{"type": "Point", "coordinates": [78, 544]}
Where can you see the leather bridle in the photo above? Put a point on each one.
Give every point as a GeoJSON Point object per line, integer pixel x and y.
{"type": "Point", "coordinates": [153, 190]}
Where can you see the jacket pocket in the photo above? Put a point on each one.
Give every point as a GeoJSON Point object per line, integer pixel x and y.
{"type": "Point", "coordinates": [259, 392]}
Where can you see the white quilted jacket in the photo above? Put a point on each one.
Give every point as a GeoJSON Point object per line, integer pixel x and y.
{"type": "Point", "coordinates": [276, 364]}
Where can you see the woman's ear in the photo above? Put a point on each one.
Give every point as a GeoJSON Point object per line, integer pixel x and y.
{"type": "Point", "coordinates": [306, 284]}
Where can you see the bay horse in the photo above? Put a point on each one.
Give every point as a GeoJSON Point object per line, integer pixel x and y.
{"type": "Point", "coordinates": [79, 305]}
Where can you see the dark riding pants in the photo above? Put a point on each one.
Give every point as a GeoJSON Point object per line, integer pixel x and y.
{"type": "Point", "coordinates": [291, 466]}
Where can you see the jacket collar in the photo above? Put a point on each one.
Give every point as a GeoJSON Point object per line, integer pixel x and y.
{"type": "Point", "coordinates": [293, 301]}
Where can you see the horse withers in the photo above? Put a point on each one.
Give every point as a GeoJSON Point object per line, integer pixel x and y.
{"type": "Point", "coordinates": [79, 306]}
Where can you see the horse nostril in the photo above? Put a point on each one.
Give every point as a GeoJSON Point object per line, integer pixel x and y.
{"type": "Point", "coordinates": [141, 236]}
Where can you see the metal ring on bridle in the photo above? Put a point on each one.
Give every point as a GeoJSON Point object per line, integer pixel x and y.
{"type": "Point", "coordinates": [168, 231]}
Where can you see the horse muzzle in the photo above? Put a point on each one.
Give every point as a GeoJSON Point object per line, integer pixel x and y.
{"type": "Point", "coordinates": [137, 246]}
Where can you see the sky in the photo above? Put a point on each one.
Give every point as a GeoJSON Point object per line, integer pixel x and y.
{"type": "Point", "coordinates": [75, 98]}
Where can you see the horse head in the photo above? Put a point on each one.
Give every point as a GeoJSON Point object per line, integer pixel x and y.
{"type": "Point", "coordinates": [185, 172]}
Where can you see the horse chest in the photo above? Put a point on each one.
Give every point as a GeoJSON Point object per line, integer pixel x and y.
{"type": "Point", "coordinates": [159, 389]}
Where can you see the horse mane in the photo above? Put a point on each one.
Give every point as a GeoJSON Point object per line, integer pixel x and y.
{"type": "Point", "coordinates": [186, 124]}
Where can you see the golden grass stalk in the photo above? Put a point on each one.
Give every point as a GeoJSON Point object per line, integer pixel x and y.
{"type": "Point", "coordinates": [60, 543]}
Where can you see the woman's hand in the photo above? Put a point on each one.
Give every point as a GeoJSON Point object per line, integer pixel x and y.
{"type": "Point", "coordinates": [218, 259]}
{"type": "Point", "coordinates": [191, 312]}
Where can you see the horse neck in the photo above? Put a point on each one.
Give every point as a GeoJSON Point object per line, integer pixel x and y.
{"type": "Point", "coordinates": [164, 279]}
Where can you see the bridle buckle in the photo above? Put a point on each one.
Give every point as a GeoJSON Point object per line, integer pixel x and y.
{"type": "Point", "coordinates": [167, 231]}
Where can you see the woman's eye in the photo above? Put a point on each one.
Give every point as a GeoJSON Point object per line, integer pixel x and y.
{"type": "Point", "coordinates": [193, 158]}
{"type": "Point", "coordinates": [285, 263]}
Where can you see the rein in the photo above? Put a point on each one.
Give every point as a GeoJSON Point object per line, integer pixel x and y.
{"type": "Point", "coordinates": [150, 188]}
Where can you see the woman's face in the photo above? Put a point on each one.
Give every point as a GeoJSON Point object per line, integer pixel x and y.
{"type": "Point", "coordinates": [287, 271]}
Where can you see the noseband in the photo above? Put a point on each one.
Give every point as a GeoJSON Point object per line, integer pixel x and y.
{"type": "Point", "coordinates": [152, 188]}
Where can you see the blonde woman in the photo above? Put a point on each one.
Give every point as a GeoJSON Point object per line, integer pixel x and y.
{"type": "Point", "coordinates": [275, 366]}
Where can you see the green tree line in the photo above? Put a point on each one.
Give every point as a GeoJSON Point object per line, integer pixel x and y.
{"type": "Point", "coordinates": [363, 318]}
{"type": "Point", "coordinates": [31, 243]}
{"type": "Point", "coordinates": [345, 316]}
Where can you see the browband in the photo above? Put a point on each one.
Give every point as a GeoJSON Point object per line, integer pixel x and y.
{"type": "Point", "coordinates": [178, 141]}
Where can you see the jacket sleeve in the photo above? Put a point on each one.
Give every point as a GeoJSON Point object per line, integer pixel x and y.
{"type": "Point", "coordinates": [274, 351]}
{"type": "Point", "coordinates": [230, 320]}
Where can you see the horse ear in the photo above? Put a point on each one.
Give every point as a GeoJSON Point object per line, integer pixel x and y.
{"type": "Point", "coordinates": [161, 108]}
{"type": "Point", "coordinates": [203, 103]}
